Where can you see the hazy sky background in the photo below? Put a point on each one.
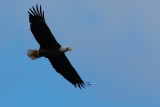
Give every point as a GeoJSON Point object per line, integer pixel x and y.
{"type": "Point", "coordinates": [116, 47]}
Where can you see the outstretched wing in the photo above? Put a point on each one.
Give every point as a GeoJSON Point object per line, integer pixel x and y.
{"type": "Point", "coordinates": [64, 67]}
{"type": "Point", "coordinates": [40, 29]}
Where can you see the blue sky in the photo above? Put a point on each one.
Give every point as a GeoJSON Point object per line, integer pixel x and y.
{"type": "Point", "coordinates": [115, 47]}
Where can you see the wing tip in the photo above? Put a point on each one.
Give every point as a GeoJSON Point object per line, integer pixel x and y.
{"type": "Point", "coordinates": [82, 85]}
{"type": "Point", "coordinates": [36, 11]}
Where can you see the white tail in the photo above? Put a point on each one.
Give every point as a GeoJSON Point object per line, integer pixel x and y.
{"type": "Point", "coordinates": [33, 54]}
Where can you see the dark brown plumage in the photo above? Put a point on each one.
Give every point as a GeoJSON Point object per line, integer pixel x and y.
{"type": "Point", "coordinates": [49, 48]}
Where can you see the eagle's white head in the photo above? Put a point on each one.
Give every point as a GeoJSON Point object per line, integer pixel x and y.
{"type": "Point", "coordinates": [65, 49]}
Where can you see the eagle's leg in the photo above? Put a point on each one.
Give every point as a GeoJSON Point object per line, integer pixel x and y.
{"type": "Point", "coordinates": [33, 54]}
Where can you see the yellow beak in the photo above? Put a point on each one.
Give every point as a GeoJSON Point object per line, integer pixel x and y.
{"type": "Point", "coordinates": [69, 49]}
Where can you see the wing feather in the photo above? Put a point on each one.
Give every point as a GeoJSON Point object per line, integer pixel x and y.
{"type": "Point", "coordinates": [40, 11]}
{"type": "Point", "coordinates": [64, 67]}
{"type": "Point", "coordinates": [40, 29]}
{"type": "Point", "coordinates": [37, 10]}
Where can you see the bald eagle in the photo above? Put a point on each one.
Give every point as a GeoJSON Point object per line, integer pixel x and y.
{"type": "Point", "coordinates": [50, 48]}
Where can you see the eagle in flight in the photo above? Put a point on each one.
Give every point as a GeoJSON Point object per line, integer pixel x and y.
{"type": "Point", "coordinates": [51, 49]}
